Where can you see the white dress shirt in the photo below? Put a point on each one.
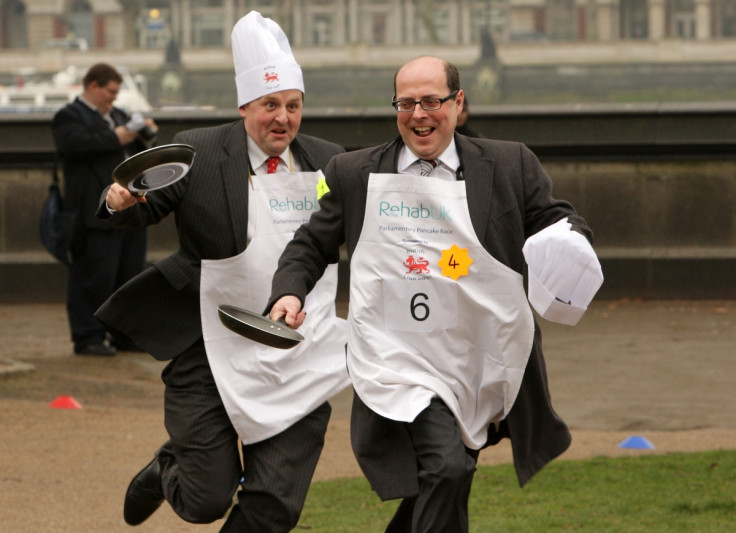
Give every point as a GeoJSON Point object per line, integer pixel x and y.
{"type": "Point", "coordinates": [259, 159]}
{"type": "Point", "coordinates": [447, 163]}
{"type": "Point", "coordinates": [259, 164]}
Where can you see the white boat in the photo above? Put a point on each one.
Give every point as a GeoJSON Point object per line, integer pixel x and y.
{"type": "Point", "coordinates": [50, 95]}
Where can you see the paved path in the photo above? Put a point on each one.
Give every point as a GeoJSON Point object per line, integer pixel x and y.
{"type": "Point", "coordinates": [664, 370]}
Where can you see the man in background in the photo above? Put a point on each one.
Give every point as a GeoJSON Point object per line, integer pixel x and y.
{"type": "Point", "coordinates": [92, 137]}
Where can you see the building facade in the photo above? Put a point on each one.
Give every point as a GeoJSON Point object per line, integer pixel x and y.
{"type": "Point", "coordinates": [191, 24]}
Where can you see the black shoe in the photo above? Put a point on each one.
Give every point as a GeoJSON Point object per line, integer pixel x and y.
{"type": "Point", "coordinates": [95, 349]}
{"type": "Point", "coordinates": [145, 494]}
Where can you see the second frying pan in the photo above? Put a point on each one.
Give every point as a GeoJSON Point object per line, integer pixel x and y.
{"type": "Point", "coordinates": [259, 328]}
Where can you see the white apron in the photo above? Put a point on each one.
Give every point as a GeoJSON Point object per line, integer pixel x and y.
{"type": "Point", "coordinates": [432, 313]}
{"type": "Point", "coordinates": [265, 390]}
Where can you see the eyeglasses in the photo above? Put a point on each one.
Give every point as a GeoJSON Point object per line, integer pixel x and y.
{"type": "Point", "coordinates": [428, 103]}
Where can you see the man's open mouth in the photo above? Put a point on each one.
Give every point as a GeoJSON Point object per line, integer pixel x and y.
{"type": "Point", "coordinates": [423, 131]}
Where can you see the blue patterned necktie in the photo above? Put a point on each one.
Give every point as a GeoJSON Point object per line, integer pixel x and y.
{"type": "Point", "coordinates": [427, 166]}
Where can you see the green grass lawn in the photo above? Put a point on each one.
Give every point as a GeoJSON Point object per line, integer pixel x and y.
{"type": "Point", "coordinates": [693, 493]}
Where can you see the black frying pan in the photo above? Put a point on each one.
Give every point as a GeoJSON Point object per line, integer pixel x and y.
{"type": "Point", "coordinates": [154, 168]}
{"type": "Point", "coordinates": [258, 328]}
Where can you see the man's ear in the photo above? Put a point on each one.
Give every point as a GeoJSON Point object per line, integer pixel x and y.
{"type": "Point", "coordinates": [459, 100]}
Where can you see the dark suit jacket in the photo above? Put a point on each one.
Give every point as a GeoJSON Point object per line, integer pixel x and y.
{"type": "Point", "coordinates": [89, 151]}
{"type": "Point", "coordinates": [509, 199]}
{"type": "Point", "coordinates": [159, 309]}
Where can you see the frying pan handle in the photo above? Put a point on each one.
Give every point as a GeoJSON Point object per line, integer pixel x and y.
{"type": "Point", "coordinates": [282, 321]}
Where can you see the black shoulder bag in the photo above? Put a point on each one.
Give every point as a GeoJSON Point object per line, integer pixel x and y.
{"type": "Point", "coordinates": [57, 227]}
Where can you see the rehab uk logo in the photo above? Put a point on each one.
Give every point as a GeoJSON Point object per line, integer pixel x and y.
{"type": "Point", "coordinates": [421, 211]}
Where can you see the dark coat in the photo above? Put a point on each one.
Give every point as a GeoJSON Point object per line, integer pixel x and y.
{"type": "Point", "coordinates": [509, 199]}
{"type": "Point", "coordinates": [159, 309]}
{"type": "Point", "coordinates": [89, 151]}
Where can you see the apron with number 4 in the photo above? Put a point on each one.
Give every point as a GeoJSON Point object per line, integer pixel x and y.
{"type": "Point", "coordinates": [264, 389]}
{"type": "Point", "coordinates": [432, 313]}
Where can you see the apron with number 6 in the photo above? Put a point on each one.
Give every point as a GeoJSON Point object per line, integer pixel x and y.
{"type": "Point", "coordinates": [265, 390]}
{"type": "Point", "coordinates": [432, 313]}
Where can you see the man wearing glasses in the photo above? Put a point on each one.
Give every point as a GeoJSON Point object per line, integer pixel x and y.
{"type": "Point", "coordinates": [443, 351]}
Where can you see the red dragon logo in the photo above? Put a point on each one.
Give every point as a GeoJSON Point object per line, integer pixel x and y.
{"type": "Point", "coordinates": [271, 76]}
{"type": "Point", "coordinates": [420, 266]}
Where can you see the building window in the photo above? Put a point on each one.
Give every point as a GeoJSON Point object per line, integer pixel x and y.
{"type": "Point", "coordinates": [683, 19]}
{"type": "Point", "coordinates": [561, 20]}
{"type": "Point", "coordinates": [208, 23]}
{"type": "Point", "coordinates": [727, 19]}
{"type": "Point", "coordinates": [155, 27]}
{"type": "Point", "coordinates": [432, 27]}
{"type": "Point", "coordinates": [634, 19]}
{"type": "Point", "coordinates": [80, 21]}
{"type": "Point", "coordinates": [13, 24]}
{"type": "Point", "coordinates": [208, 30]}
{"type": "Point", "coordinates": [321, 30]}
{"type": "Point", "coordinates": [378, 34]}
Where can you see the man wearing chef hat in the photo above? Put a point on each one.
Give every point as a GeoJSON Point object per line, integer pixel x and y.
{"type": "Point", "coordinates": [251, 184]}
{"type": "Point", "coordinates": [443, 351]}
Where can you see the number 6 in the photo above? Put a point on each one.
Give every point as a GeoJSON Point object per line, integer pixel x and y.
{"type": "Point", "coordinates": [415, 305]}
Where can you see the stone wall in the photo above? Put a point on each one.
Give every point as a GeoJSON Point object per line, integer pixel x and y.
{"type": "Point", "coordinates": [658, 188]}
{"type": "Point", "coordinates": [663, 229]}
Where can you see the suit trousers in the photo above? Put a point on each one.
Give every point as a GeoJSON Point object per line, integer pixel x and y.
{"type": "Point", "coordinates": [108, 260]}
{"type": "Point", "coordinates": [445, 469]}
{"type": "Point", "coordinates": [201, 465]}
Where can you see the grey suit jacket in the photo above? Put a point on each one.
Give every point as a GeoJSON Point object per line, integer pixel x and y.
{"type": "Point", "coordinates": [509, 199]}
{"type": "Point", "coordinates": [159, 309]}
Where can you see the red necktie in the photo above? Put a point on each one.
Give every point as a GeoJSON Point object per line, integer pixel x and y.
{"type": "Point", "coordinates": [273, 163]}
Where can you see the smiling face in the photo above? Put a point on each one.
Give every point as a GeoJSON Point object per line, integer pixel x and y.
{"type": "Point", "coordinates": [426, 133]}
{"type": "Point", "coordinates": [273, 121]}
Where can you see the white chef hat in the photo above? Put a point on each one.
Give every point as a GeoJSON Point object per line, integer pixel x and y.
{"type": "Point", "coordinates": [564, 273]}
{"type": "Point", "coordinates": [263, 60]}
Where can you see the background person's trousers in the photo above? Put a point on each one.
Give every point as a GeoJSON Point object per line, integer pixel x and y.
{"type": "Point", "coordinates": [110, 258]}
